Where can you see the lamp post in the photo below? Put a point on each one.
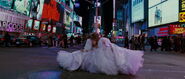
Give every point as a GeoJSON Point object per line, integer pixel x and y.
{"type": "Point", "coordinates": [96, 28]}
{"type": "Point", "coordinates": [97, 5]}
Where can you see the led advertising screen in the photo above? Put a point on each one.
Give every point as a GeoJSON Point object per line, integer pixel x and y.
{"type": "Point", "coordinates": [43, 27]}
{"type": "Point", "coordinates": [36, 9]}
{"type": "Point", "coordinates": [29, 23]}
{"type": "Point", "coordinates": [52, 10]}
{"type": "Point", "coordinates": [54, 30]}
{"type": "Point", "coordinates": [49, 28]}
{"type": "Point", "coordinates": [67, 19]}
{"type": "Point", "coordinates": [137, 10]}
{"type": "Point", "coordinates": [36, 25]}
{"type": "Point", "coordinates": [22, 6]}
{"type": "Point", "coordinates": [162, 31]}
{"type": "Point", "coordinates": [6, 3]}
{"type": "Point", "coordinates": [71, 4]}
{"type": "Point", "coordinates": [181, 10]}
{"type": "Point", "coordinates": [163, 12]}
{"type": "Point", "coordinates": [176, 29]}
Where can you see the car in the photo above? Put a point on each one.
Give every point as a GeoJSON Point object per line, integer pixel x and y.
{"type": "Point", "coordinates": [28, 40]}
{"type": "Point", "coordinates": [34, 40]}
{"type": "Point", "coordinates": [22, 41]}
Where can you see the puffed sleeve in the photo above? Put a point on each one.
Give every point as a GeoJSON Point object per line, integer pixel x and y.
{"type": "Point", "coordinates": [88, 45]}
{"type": "Point", "coordinates": [104, 42]}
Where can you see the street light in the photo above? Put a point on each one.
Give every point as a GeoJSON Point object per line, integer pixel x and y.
{"type": "Point", "coordinates": [97, 4]}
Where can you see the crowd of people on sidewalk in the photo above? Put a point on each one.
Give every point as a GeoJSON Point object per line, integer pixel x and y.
{"type": "Point", "coordinates": [61, 41]}
{"type": "Point", "coordinates": [135, 43]}
{"type": "Point", "coordinates": [167, 43]}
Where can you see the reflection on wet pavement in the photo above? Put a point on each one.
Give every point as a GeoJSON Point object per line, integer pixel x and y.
{"type": "Point", "coordinates": [87, 75]}
{"type": "Point", "coordinates": [44, 75]}
{"type": "Point", "coordinates": [72, 75]}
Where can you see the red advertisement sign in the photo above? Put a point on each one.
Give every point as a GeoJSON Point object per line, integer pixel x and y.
{"type": "Point", "coordinates": [50, 11]}
{"type": "Point", "coordinates": [49, 29]}
{"type": "Point", "coordinates": [176, 29]}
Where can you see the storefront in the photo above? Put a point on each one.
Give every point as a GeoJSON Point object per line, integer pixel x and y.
{"type": "Point", "coordinates": [12, 22]}
{"type": "Point", "coordinates": [168, 30]}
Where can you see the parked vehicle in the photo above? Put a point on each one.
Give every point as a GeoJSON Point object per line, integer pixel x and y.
{"type": "Point", "coordinates": [22, 41]}
{"type": "Point", "coordinates": [28, 40]}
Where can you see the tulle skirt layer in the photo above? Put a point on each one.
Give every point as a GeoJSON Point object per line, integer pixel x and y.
{"type": "Point", "coordinates": [110, 60]}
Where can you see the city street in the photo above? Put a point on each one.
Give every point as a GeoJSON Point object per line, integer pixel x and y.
{"type": "Point", "coordinates": [40, 63]}
{"type": "Point", "coordinates": [33, 31]}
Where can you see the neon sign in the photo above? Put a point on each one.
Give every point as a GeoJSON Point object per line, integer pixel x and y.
{"type": "Point", "coordinates": [11, 27]}
{"type": "Point", "coordinates": [177, 29]}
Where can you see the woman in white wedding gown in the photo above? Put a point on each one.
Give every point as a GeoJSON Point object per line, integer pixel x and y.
{"type": "Point", "coordinates": [102, 56]}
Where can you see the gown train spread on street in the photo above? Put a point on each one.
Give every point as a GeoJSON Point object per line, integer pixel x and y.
{"type": "Point", "coordinates": [108, 58]}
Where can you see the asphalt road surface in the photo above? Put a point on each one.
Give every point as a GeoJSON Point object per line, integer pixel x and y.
{"type": "Point", "coordinates": [40, 63]}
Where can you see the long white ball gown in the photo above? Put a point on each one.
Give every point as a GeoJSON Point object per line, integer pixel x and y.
{"type": "Point", "coordinates": [108, 58]}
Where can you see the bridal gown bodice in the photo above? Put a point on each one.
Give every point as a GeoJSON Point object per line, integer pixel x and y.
{"type": "Point", "coordinates": [108, 58]}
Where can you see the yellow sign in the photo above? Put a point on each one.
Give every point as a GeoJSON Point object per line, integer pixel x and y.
{"type": "Point", "coordinates": [182, 17]}
{"type": "Point", "coordinates": [182, 7]}
{"type": "Point", "coordinates": [179, 30]}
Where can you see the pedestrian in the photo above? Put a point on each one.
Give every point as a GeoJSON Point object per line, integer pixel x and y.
{"type": "Point", "coordinates": [126, 42]}
{"type": "Point", "coordinates": [153, 43]}
{"type": "Point", "coordinates": [79, 40]}
{"type": "Point", "coordinates": [6, 39]}
{"type": "Point", "coordinates": [164, 44]}
{"type": "Point", "coordinates": [132, 42]}
{"type": "Point", "coordinates": [61, 41]}
{"type": "Point", "coordinates": [71, 40]}
{"type": "Point", "coordinates": [183, 44]}
{"type": "Point", "coordinates": [169, 43]}
{"type": "Point", "coordinates": [54, 39]}
{"type": "Point", "coordinates": [176, 44]}
{"type": "Point", "coordinates": [142, 42]}
{"type": "Point", "coordinates": [50, 41]}
{"type": "Point", "coordinates": [65, 41]}
{"type": "Point", "coordinates": [136, 43]}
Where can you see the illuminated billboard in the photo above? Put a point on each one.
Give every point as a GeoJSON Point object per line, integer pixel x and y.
{"type": "Point", "coordinates": [6, 3]}
{"type": "Point", "coordinates": [181, 11]}
{"type": "Point", "coordinates": [22, 6]}
{"type": "Point", "coordinates": [43, 27]}
{"type": "Point", "coordinates": [36, 25]}
{"type": "Point", "coordinates": [137, 10]}
{"type": "Point", "coordinates": [49, 28]}
{"type": "Point", "coordinates": [67, 19]}
{"type": "Point", "coordinates": [177, 28]}
{"type": "Point", "coordinates": [29, 23]}
{"type": "Point", "coordinates": [54, 30]}
{"type": "Point", "coordinates": [161, 31]}
{"type": "Point", "coordinates": [52, 10]}
{"type": "Point", "coordinates": [36, 9]}
{"type": "Point", "coordinates": [163, 12]}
